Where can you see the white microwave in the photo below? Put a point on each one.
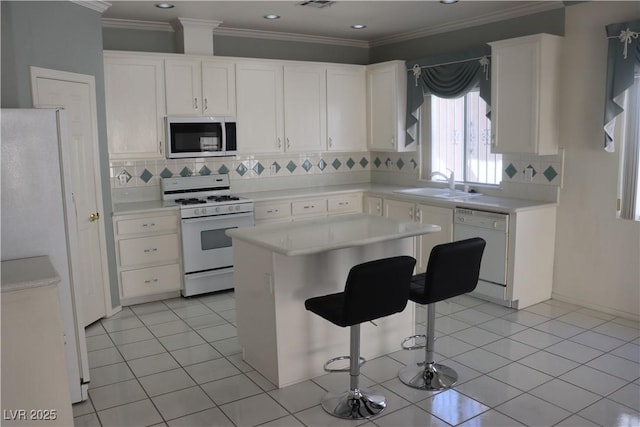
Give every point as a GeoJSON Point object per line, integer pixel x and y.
{"type": "Point", "coordinates": [201, 137]}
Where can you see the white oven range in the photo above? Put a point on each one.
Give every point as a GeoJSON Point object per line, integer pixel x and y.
{"type": "Point", "coordinates": [207, 210]}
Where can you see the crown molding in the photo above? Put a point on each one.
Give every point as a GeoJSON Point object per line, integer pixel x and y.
{"type": "Point", "coordinates": [273, 35]}
{"type": "Point", "coordinates": [132, 24]}
{"type": "Point", "coordinates": [181, 23]}
{"type": "Point", "coordinates": [515, 12]}
{"type": "Point", "coordinates": [97, 5]}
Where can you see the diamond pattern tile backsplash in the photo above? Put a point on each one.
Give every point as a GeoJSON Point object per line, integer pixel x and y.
{"type": "Point", "coordinates": [544, 170]}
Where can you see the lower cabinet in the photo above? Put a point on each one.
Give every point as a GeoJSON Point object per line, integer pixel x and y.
{"type": "Point", "coordinates": [372, 205]}
{"type": "Point", "coordinates": [148, 253]}
{"type": "Point", "coordinates": [424, 214]}
{"type": "Point", "coordinates": [307, 208]}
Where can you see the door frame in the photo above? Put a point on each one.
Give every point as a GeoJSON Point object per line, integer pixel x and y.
{"type": "Point", "coordinates": [38, 72]}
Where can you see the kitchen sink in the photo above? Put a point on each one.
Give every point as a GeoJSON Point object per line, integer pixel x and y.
{"type": "Point", "coordinates": [440, 193]}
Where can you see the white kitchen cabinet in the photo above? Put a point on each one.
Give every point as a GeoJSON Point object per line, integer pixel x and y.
{"type": "Point", "coordinates": [308, 208]}
{"type": "Point", "coordinates": [344, 204]}
{"type": "Point", "coordinates": [346, 108]}
{"type": "Point", "coordinates": [305, 108]}
{"type": "Point", "coordinates": [135, 105]}
{"type": "Point", "coordinates": [372, 205]}
{"type": "Point", "coordinates": [424, 214]}
{"type": "Point", "coordinates": [148, 254]}
{"type": "Point", "coordinates": [386, 107]}
{"type": "Point", "coordinates": [295, 209]}
{"type": "Point", "coordinates": [200, 87]}
{"type": "Point", "coordinates": [525, 77]}
{"type": "Point", "coordinates": [259, 101]}
{"type": "Point", "coordinates": [277, 211]}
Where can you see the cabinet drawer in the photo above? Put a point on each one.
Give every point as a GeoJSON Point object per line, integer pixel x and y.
{"type": "Point", "coordinates": [154, 280]}
{"type": "Point", "coordinates": [146, 250]}
{"type": "Point", "coordinates": [308, 207]}
{"type": "Point", "coordinates": [271, 210]}
{"type": "Point", "coordinates": [147, 225]}
{"type": "Point", "coordinates": [349, 203]}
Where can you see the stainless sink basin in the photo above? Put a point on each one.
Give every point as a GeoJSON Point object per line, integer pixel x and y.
{"type": "Point", "coordinates": [439, 193]}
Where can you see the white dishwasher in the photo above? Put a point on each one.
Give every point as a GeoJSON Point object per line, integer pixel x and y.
{"type": "Point", "coordinates": [493, 228]}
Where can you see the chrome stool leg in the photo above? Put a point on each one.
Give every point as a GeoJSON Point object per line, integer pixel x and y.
{"type": "Point", "coordinates": [429, 375]}
{"type": "Point", "coordinates": [356, 403]}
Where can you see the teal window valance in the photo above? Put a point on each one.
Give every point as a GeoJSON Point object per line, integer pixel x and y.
{"type": "Point", "coordinates": [623, 55]}
{"type": "Point", "coordinates": [450, 77]}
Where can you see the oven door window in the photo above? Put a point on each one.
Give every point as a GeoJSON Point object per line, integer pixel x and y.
{"type": "Point", "coordinates": [192, 138]}
{"type": "Point", "coordinates": [215, 239]}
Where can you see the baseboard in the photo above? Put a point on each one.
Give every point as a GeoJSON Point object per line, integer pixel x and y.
{"type": "Point", "coordinates": [598, 307]}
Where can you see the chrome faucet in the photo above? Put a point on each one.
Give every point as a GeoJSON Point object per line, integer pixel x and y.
{"type": "Point", "coordinates": [450, 178]}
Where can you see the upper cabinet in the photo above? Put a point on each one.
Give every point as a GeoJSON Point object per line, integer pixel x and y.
{"type": "Point", "coordinates": [305, 108]}
{"type": "Point", "coordinates": [386, 106]}
{"type": "Point", "coordinates": [346, 108]}
{"type": "Point", "coordinates": [524, 94]}
{"type": "Point", "coordinates": [200, 87]}
{"type": "Point", "coordinates": [135, 99]}
{"type": "Point", "coordinates": [260, 100]}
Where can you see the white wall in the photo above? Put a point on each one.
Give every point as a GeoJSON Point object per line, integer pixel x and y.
{"type": "Point", "coordinates": [597, 256]}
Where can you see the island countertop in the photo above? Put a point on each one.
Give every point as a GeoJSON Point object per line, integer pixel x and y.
{"type": "Point", "coordinates": [325, 234]}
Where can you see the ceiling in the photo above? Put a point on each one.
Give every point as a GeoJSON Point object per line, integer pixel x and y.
{"type": "Point", "coordinates": [386, 21]}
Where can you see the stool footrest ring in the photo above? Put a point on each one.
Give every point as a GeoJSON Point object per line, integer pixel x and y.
{"type": "Point", "coordinates": [416, 346]}
{"type": "Point", "coordinates": [337, 359]}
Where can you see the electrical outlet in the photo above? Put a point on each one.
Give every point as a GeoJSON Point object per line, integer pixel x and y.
{"type": "Point", "coordinates": [273, 169]}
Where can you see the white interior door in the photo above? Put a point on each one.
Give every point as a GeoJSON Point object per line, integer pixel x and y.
{"type": "Point", "coordinates": [76, 94]}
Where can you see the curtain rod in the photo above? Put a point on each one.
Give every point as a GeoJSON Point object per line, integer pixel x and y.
{"type": "Point", "coordinates": [452, 62]}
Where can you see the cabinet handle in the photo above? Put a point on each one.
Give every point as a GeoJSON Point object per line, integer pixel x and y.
{"type": "Point", "coordinates": [195, 103]}
{"type": "Point", "coordinates": [152, 280]}
{"type": "Point", "coordinates": [418, 215]}
{"type": "Point", "coordinates": [309, 207]}
{"type": "Point", "coordinates": [279, 143]}
{"type": "Point", "coordinates": [411, 213]}
{"type": "Point", "coordinates": [206, 104]}
{"type": "Point", "coordinates": [153, 224]}
{"type": "Point", "coordinates": [330, 142]}
{"type": "Point", "coordinates": [150, 250]}
{"type": "Point", "coordinates": [272, 211]}
{"type": "Point", "coordinates": [288, 144]}
{"type": "Point", "coordinates": [160, 147]}
{"type": "Point", "coordinates": [343, 203]}
{"type": "Point", "coordinates": [378, 207]}
{"type": "Point", "coordinates": [393, 141]}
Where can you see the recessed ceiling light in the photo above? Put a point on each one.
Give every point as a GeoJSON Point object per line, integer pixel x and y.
{"type": "Point", "coordinates": [358, 26]}
{"type": "Point", "coordinates": [448, 1]}
{"type": "Point", "coordinates": [271, 16]}
{"type": "Point", "coordinates": [164, 6]}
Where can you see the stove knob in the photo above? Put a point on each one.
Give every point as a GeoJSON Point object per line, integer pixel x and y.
{"type": "Point", "coordinates": [196, 211]}
{"type": "Point", "coordinates": [237, 207]}
{"type": "Point", "coordinates": [203, 211]}
{"type": "Point", "coordinates": [230, 208]}
{"type": "Point", "coordinates": [218, 209]}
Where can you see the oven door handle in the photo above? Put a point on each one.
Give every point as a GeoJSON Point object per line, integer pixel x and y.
{"type": "Point", "coordinates": [231, 216]}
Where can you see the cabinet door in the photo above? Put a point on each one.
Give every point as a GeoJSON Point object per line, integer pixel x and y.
{"type": "Point", "coordinates": [346, 109]}
{"type": "Point", "coordinates": [218, 88]}
{"type": "Point", "coordinates": [260, 107]}
{"type": "Point", "coordinates": [134, 95]}
{"type": "Point", "coordinates": [438, 216]}
{"type": "Point", "coordinates": [305, 108]}
{"type": "Point", "coordinates": [184, 87]}
{"type": "Point", "coordinates": [381, 108]}
{"type": "Point", "coordinates": [372, 205]}
{"type": "Point", "coordinates": [397, 209]}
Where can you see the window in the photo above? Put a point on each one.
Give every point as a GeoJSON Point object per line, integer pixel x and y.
{"type": "Point", "coordinates": [457, 137]}
{"type": "Point", "coordinates": [630, 153]}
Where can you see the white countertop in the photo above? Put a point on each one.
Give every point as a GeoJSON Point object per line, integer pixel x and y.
{"type": "Point", "coordinates": [326, 234]}
{"type": "Point", "coordinates": [27, 273]}
{"type": "Point", "coordinates": [143, 207]}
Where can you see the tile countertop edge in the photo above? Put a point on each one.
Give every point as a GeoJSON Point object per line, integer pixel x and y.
{"type": "Point", "coordinates": [27, 273]}
{"type": "Point", "coordinates": [260, 234]}
{"type": "Point", "coordinates": [142, 207]}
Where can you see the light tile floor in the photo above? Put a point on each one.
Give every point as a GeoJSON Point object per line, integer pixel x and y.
{"type": "Point", "coordinates": [177, 363]}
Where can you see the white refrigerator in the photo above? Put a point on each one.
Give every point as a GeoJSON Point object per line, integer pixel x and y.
{"type": "Point", "coordinates": [37, 217]}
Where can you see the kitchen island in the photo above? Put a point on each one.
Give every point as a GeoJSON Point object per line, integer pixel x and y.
{"type": "Point", "coordinates": [279, 266]}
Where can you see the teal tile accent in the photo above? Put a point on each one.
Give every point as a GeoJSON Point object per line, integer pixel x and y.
{"type": "Point", "coordinates": [511, 170]}
{"type": "Point", "coordinates": [223, 169]}
{"type": "Point", "coordinates": [205, 170]}
{"type": "Point", "coordinates": [377, 162]}
{"type": "Point", "coordinates": [166, 173]}
{"type": "Point", "coordinates": [550, 173]}
{"type": "Point", "coordinates": [185, 172]}
{"type": "Point", "coordinates": [146, 176]}
{"type": "Point", "coordinates": [350, 163]}
{"type": "Point", "coordinates": [291, 166]}
{"type": "Point", "coordinates": [400, 164]}
{"type": "Point", "coordinates": [322, 165]}
{"type": "Point", "coordinates": [307, 165]}
{"type": "Point", "coordinates": [277, 166]}
{"type": "Point", "coordinates": [258, 168]}
{"type": "Point", "coordinates": [336, 164]}
{"type": "Point", "coordinates": [364, 162]}
{"type": "Point", "coordinates": [241, 169]}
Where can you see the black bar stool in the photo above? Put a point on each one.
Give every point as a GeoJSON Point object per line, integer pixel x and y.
{"type": "Point", "coordinates": [373, 290]}
{"type": "Point", "coordinates": [453, 269]}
